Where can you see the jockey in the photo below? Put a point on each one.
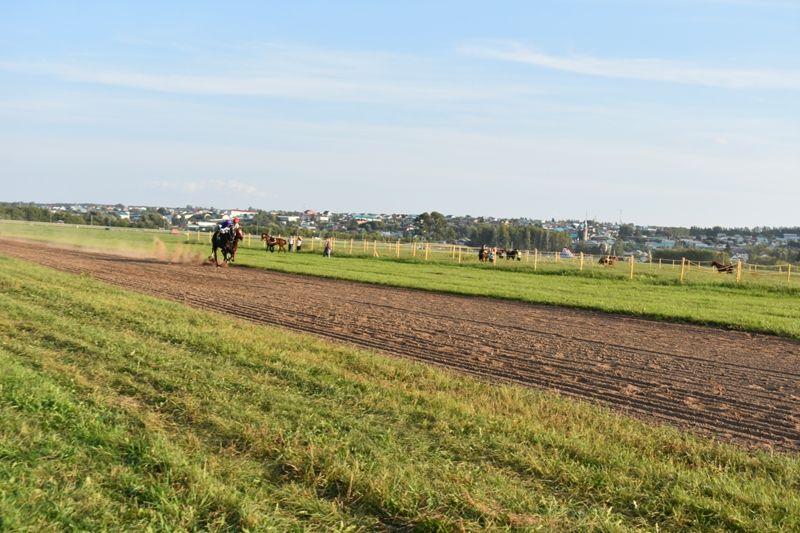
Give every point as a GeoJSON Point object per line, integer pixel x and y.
{"type": "Point", "coordinates": [225, 225]}
{"type": "Point", "coordinates": [235, 225]}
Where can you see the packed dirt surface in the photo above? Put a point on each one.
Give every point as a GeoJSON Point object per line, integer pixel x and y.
{"type": "Point", "coordinates": [739, 387]}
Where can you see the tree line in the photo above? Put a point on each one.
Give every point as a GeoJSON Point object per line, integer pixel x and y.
{"type": "Point", "coordinates": [149, 219]}
{"type": "Point", "coordinates": [436, 227]}
{"type": "Point", "coordinates": [429, 227]}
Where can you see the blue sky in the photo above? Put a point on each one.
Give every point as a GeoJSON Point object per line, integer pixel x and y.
{"type": "Point", "coordinates": [671, 112]}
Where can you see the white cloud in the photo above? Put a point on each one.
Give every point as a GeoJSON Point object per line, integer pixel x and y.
{"type": "Point", "coordinates": [299, 73]}
{"type": "Point", "coordinates": [767, 4]}
{"type": "Point", "coordinates": [646, 69]}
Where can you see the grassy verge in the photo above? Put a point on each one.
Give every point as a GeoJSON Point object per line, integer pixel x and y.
{"type": "Point", "coordinates": [709, 298]}
{"type": "Point", "coordinates": [119, 411]}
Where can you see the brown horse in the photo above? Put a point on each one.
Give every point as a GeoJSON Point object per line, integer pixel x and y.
{"type": "Point", "coordinates": [608, 260]}
{"type": "Point", "coordinates": [227, 243]}
{"type": "Point", "coordinates": [270, 242]}
{"type": "Point", "coordinates": [728, 269]}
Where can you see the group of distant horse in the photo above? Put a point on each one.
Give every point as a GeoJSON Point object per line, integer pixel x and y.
{"type": "Point", "coordinates": [228, 243]}
{"type": "Point", "coordinates": [611, 260]}
{"type": "Point", "coordinates": [490, 255]}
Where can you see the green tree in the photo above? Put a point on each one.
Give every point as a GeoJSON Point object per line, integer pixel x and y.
{"type": "Point", "coordinates": [626, 231]}
{"type": "Point", "coordinates": [434, 227]}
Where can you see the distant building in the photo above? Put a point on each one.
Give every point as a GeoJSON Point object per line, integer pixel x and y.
{"type": "Point", "coordinates": [245, 214]}
{"type": "Point", "coordinates": [660, 244]}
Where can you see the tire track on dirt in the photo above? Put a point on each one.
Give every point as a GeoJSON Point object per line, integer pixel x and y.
{"type": "Point", "coordinates": [737, 386]}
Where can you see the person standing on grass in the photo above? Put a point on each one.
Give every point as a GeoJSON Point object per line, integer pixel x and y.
{"type": "Point", "coordinates": [290, 242]}
{"type": "Point", "coordinates": [327, 251]}
{"type": "Point", "coordinates": [298, 244]}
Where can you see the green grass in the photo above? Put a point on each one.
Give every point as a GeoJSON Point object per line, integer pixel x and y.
{"type": "Point", "coordinates": [765, 306]}
{"type": "Point", "coordinates": [97, 237]}
{"type": "Point", "coordinates": [124, 412]}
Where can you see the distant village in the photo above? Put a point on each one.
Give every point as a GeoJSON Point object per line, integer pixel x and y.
{"type": "Point", "coordinates": [576, 235]}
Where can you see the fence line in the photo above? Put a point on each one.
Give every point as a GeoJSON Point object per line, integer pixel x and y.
{"type": "Point", "coordinates": [536, 260]}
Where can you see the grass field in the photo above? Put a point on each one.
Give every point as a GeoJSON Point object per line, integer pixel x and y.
{"type": "Point", "coordinates": [120, 411]}
{"type": "Point", "coordinates": [710, 299]}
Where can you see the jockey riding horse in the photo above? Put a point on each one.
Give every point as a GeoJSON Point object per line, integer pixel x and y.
{"type": "Point", "coordinates": [226, 238]}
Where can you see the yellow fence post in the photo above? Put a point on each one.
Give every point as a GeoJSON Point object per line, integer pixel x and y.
{"type": "Point", "coordinates": [535, 259]}
{"type": "Point", "coordinates": [683, 268]}
{"type": "Point", "coordinates": [659, 263]}
{"type": "Point", "coordinates": [375, 248]}
{"type": "Point", "coordinates": [581, 261]}
{"type": "Point", "coordinates": [427, 250]}
{"type": "Point", "coordinates": [789, 274]}
{"type": "Point", "coordinates": [557, 256]}
{"type": "Point", "coordinates": [631, 267]}
{"type": "Point", "coordinates": [413, 248]}
{"type": "Point", "coordinates": [459, 255]}
{"type": "Point", "coordinates": [350, 249]}
{"type": "Point", "coordinates": [738, 271]}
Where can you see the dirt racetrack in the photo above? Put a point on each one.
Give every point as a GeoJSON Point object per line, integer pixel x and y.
{"type": "Point", "coordinates": [739, 387]}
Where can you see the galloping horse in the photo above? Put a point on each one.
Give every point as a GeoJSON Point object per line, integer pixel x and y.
{"type": "Point", "coordinates": [228, 243]}
{"type": "Point", "coordinates": [728, 269]}
{"type": "Point", "coordinates": [511, 254]}
{"type": "Point", "coordinates": [270, 242]}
